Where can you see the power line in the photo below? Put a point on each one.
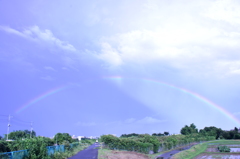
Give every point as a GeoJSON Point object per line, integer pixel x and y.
{"type": "Point", "coordinates": [16, 121]}
{"type": "Point", "coordinates": [9, 118]}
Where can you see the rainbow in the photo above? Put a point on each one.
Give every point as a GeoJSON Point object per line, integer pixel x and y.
{"type": "Point", "coordinates": [193, 94]}
{"type": "Point", "coordinates": [120, 78]}
{"type": "Point", "coordinates": [40, 97]}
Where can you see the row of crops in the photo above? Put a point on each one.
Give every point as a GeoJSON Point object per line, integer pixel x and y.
{"type": "Point", "coordinates": [147, 144]}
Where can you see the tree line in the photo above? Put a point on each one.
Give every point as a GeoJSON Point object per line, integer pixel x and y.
{"type": "Point", "coordinates": [211, 131]}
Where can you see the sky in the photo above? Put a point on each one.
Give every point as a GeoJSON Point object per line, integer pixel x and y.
{"type": "Point", "coordinates": [97, 67]}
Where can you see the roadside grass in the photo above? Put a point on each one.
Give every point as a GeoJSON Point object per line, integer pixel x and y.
{"type": "Point", "coordinates": [153, 156]}
{"type": "Point", "coordinates": [70, 153]}
{"type": "Point", "coordinates": [192, 152]}
{"type": "Point", "coordinates": [201, 148]}
{"type": "Point", "coordinates": [102, 153]}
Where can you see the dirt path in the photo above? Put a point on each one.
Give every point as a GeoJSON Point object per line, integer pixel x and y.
{"type": "Point", "coordinates": [124, 155]}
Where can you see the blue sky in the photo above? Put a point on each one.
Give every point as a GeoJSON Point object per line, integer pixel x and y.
{"type": "Point", "coordinates": [106, 54]}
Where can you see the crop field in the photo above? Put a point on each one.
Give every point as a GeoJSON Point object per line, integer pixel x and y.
{"type": "Point", "coordinates": [212, 151]}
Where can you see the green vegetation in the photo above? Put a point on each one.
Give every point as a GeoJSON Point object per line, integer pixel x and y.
{"type": "Point", "coordinates": [88, 141]}
{"type": "Point", "coordinates": [191, 153]}
{"type": "Point", "coordinates": [201, 148]}
{"type": "Point", "coordinates": [21, 134]}
{"type": "Point", "coordinates": [224, 149]}
{"type": "Point", "coordinates": [187, 130]}
{"type": "Point", "coordinates": [211, 131]}
{"type": "Point", "coordinates": [37, 146]}
{"type": "Point", "coordinates": [69, 153]}
{"type": "Point", "coordinates": [145, 143]}
{"type": "Point", "coordinates": [159, 142]}
{"type": "Point", "coordinates": [62, 138]}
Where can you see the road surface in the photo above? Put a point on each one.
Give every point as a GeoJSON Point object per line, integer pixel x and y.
{"type": "Point", "coordinates": [89, 153]}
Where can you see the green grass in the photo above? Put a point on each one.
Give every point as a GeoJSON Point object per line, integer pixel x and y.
{"type": "Point", "coordinates": [192, 152]}
{"type": "Point", "coordinates": [102, 153]}
{"type": "Point", "coordinates": [226, 142]}
{"type": "Point", "coordinates": [200, 148]}
{"type": "Point", "coordinates": [67, 154]}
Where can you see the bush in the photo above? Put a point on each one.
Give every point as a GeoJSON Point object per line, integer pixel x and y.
{"type": "Point", "coordinates": [224, 149]}
{"type": "Point", "coordinates": [4, 146]}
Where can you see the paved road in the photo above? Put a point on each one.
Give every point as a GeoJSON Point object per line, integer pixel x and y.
{"type": "Point", "coordinates": [89, 153]}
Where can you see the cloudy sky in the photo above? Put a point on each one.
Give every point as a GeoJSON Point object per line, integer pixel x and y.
{"type": "Point", "coordinates": [113, 67]}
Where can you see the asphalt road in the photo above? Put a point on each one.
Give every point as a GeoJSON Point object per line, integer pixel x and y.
{"type": "Point", "coordinates": [89, 153]}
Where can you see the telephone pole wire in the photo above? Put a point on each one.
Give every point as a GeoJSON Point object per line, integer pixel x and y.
{"type": "Point", "coordinates": [9, 118]}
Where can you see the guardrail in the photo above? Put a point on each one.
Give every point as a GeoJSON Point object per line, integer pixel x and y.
{"type": "Point", "coordinates": [14, 154]}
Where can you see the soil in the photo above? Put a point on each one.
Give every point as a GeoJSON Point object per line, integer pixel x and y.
{"type": "Point", "coordinates": [125, 155]}
{"type": "Point", "coordinates": [212, 149]}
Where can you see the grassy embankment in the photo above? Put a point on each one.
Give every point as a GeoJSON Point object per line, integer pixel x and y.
{"type": "Point", "coordinates": [201, 148]}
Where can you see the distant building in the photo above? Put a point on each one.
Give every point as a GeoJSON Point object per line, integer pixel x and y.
{"type": "Point", "coordinates": [93, 137]}
{"type": "Point", "coordinates": [84, 137]}
{"type": "Point", "coordinates": [80, 137]}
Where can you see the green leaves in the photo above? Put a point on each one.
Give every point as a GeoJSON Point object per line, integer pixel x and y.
{"type": "Point", "coordinates": [187, 130]}
{"type": "Point", "coordinates": [59, 138]}
{"type": "Point", "coordinates": [224, 149]}
{"type": "Point", "coordinates": [127, 144]}
{"type": "Point", "coordinates": [21, 134]}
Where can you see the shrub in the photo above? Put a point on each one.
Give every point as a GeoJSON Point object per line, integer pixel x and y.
{"type": "Point", "coordinates": [224, 149]}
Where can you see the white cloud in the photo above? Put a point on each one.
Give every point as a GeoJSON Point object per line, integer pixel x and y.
{"type": "Point", "coordinates": [150, 120]}
{"type": "Point", "coordinates": [36, 34]}
{"type": "Point", "coordinates": [86, 124]}
{"type": "Point", "coordinates": [187, 38]}
{"type": "Point", "coordinates": [13, 31]}
{"type": "Point", "coordinates": [49, 68]}
{"type": "Point", "coordinates": [224, 10]}
{"type": "Point", "coordinates": [130, 120]}
{"type": "Point", "coordinates": [134, 121]}
{"type": "Point", "coordinates": [110, 55]}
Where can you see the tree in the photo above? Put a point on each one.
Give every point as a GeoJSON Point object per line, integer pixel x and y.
{"type": "Point", "coordinates": [187, 130]}
{"type": "Point", "coordinates": [166, 133]}
{"type": "Point", "coordinates": [129, 135]}
{"type": "Point", "coordinates": [211, 131]}
{"type": "Point", "coordinates": [59, 138]}
{"type": "Point", "coordinates": [21, 134]}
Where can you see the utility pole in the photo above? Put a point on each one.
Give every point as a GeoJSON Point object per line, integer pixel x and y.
{"type": "Point", "coordinates": [31, 129]}
{"type": "Point", "coordinates": [9, 118]}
